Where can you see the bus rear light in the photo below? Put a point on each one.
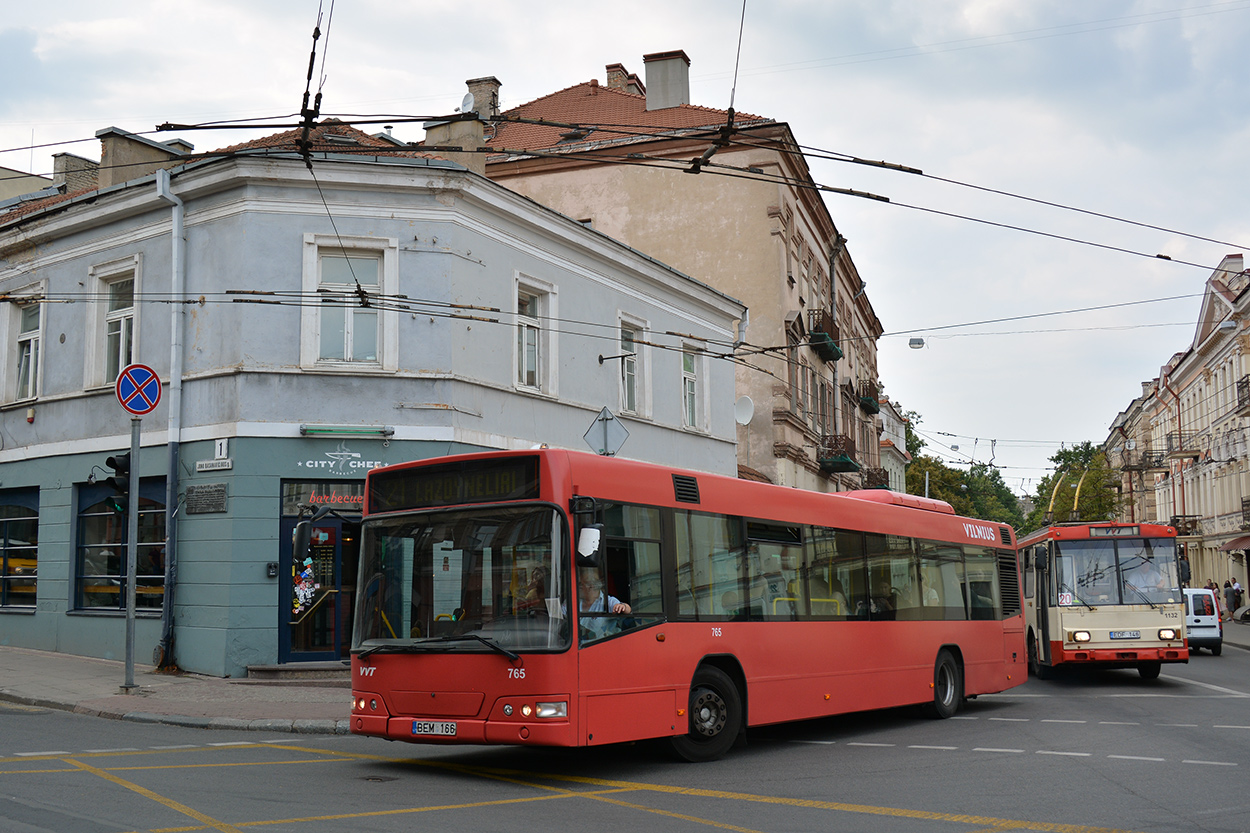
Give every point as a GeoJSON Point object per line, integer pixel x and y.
{"type": "Point", "coordinates": [1167, 634]}
{"type": "Point", "coordinates": [527, 710]}
{"type": "Point", "coordinates": [553, 710]}
{"type": "Point", "coordinates": [1078, 636]}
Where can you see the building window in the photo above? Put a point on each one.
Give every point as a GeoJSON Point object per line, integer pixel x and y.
{"type": "Point", "coordinates": [629, 370]}
{"type": "Point", "coordinates": [19, 540]}
{"type": "Point", "coordinates": [693, 408]}
{"type": "Point", "coordinates": [350, 326]}
{"type": "Point", "coordinates": [100, 565]}
{"type": "Point", "coordinates": [535, 359]}
{"type": "Point", "coordinates": [114, 325]}
{"type": "Point", "coordinates": [349, 330]}
{"type": "Point", "coordinates": [528, 340]}
{"type": "Point", "coordinates": [119, 325]}
{"type": "Point", "coordinates": [29, 321]}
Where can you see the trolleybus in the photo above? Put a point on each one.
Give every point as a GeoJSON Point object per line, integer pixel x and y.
{"type": "Point", "coordinates": [1103, 594]}
{"type": "Point", "coordinates": [568, 599]}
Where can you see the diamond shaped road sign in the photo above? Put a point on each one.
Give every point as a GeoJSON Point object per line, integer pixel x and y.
{"type": "Point", "coordinates": [606, 434]}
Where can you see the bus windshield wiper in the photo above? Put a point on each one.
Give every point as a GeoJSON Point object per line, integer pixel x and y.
{"type": "Point", "coordinates": [1144, 597]}
{"type": "Point", "coordinates": [1075, 595]}
{"type": "Point", "coordinates": [426, 645]}
{"type": "Point", "coordinates": [490, 643]}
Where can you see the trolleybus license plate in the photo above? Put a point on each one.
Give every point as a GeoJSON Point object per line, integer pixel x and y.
{"type": "Point", "coordinates": [426, 727]}
{"type": "Point", "coordinates": [1126, 634]}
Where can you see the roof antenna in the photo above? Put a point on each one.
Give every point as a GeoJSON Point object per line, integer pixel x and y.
{"type": "Point", "coordinates": [696, 165]}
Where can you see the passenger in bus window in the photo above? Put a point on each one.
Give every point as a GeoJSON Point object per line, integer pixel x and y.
{"type": "Point", "coordinates": [883, 605]}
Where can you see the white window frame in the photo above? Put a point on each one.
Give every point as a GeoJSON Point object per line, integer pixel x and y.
{"type": "Point", "coordinates": [547, 369]}
{"type": "Point", "coordinates": [12, 335]}
{"type": "Point", "coordinates": [641, 363]}
{"type": "Point", "coordinates": [694, 387]}
{"type": "Point", "coordinates": [386, 250]}
{"type": "Point", "coordinates": [29, 356]}
{"type": "Point", "coordinates": [103, 277]}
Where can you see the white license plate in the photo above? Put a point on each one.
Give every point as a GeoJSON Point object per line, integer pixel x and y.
{"type": "Point", "coordinates": [1126, 634]}
{"type": "Point", "coordinates": [441, 728]}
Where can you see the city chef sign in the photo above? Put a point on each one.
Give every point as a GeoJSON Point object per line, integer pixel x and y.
{"type": "Point", "coordinates": [342, 462]}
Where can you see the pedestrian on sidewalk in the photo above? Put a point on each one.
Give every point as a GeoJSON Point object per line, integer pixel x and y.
{"type": "Point", "coordinates": [1184, 568]}
{"type": "Point", "coordinates": [1230, 598]}
{"type": "Point", "coordinates": [1237, 594]}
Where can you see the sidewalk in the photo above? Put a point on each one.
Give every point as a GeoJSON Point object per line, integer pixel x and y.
{"type": "Point", "coordinates": [93, 686]}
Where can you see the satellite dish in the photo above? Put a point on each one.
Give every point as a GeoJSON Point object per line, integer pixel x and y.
{"type": "Point", "coordinates": [467, 104]}
{"type": "Point", "coordinates": [744, 409]}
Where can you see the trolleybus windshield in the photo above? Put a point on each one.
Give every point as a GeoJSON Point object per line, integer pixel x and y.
{"type": "Point", "coordinates": [477, 580]}
{"type": "Point", "coordinates": [1116, 572]}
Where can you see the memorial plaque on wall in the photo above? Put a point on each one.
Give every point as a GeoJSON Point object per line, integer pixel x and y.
{"type": "Point", "coordinates": [206, 497]}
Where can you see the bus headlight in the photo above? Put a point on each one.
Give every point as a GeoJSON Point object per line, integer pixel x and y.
{"type": "Point", "coordinates": [1078, 636]}
{"type": "Point", "coordinates": [560, 709]}
{"type": "Point", "coordinates": [1167, 634]}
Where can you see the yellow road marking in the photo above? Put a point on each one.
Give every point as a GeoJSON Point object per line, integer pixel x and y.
{"type": "Point", "coordinates": [533, 780]}
{"type": "Point", "coordinates": [159, 799]}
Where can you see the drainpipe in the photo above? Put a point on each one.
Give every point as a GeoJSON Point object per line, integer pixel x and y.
{"type": "Point", "coordinates": [163, 656]}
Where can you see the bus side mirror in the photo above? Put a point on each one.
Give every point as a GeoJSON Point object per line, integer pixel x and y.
{"type": "Point", "coordinates": [588, 543]}
{"type": "Point", "coordinates": [1039, 559]}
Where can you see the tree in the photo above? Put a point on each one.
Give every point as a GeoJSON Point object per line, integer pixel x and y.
{"type": "Point", "coordinates": [1082, 467]}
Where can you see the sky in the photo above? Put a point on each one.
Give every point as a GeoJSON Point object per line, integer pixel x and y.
{"type": "Point", "coordinates": [1035, 336]}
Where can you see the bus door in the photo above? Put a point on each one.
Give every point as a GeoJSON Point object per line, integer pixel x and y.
{"type": "Point", "coordinates": [1044, 569]}
{"type": "Point", "coordinates": [317, 591]}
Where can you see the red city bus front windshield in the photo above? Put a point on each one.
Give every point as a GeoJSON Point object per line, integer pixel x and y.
{"type": "Point", "coordinates": [476, 580]}
{"type": "Point", "coordinates": [1106, 571]}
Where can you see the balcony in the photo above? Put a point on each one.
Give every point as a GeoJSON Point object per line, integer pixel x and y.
{"type": "Point", "coordinates": [876, 479]}
{"type": "Point", "coordinates": [1183, 444]}
{"type": "Point", "coordinates": [823, 334]}
{"type": "Point", "coordinates": [1185, 524]}
{"type": "Point", "coordinates": [1144, 460]}
{"type": "Point", "coordinates": [868, 397]}
{"type": "Point", "coordinates": [1242, 408]}
{"type": "Point", "coordinates": [836, 453]}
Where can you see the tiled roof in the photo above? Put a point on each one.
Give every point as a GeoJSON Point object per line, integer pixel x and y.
{"type": "Point", "coordinates": [330, 136]}
{"type": "Point", "coordinates": [592, 105]}
{"type": "Point", "coordinates": [31, 207]}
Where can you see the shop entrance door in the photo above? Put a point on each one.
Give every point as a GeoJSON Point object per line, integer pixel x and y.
{"type": "Point", "coordinates": [317, 592]}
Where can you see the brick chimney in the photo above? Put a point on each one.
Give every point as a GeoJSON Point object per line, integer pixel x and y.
{"type": "Point", "coordinates": [668, 79]}
{"type": "Point", "coordinates": [485, 96]}
{"type": "Point", "coordinates": [620, 78]}
{"type": "Point", "coordinates": [74, 173]}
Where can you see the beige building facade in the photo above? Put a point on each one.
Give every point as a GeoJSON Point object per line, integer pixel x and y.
{"type": "Point", "coordinates": [732, 204]}
{"type": "Point", "coordinates": [1181, 447]}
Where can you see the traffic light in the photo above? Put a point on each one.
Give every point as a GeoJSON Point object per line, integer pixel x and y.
{"type": "Point", "coordinates": [119, 481]}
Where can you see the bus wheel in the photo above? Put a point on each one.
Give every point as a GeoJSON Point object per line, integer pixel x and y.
{"type": "Point", "coordinates": [1036, 669]}
{"type": "Point", "coordinates": [715, 717]}
{"type": "Point", "coordinates": [1149, 670]}
{"type": "Point", "coordinates": [948, 686]}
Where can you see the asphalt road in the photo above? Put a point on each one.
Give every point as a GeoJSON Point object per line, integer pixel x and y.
{"type": "Point", "coordinates": [1080, 752]}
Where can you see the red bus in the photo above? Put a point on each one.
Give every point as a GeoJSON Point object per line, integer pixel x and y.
{"type": "Point", "coordinates": [567, 599]}
{"type": "Point", "coordinates": [1103, 594]}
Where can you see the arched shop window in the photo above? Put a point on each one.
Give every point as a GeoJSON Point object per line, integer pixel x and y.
{"type": "Point", "coordinates": [100, 565]}
{"type": "Point", "coordinates": [19, 547]}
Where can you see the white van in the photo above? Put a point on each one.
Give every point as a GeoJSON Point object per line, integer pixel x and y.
{"type": "Point", "coordinates": [1203, 627]}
